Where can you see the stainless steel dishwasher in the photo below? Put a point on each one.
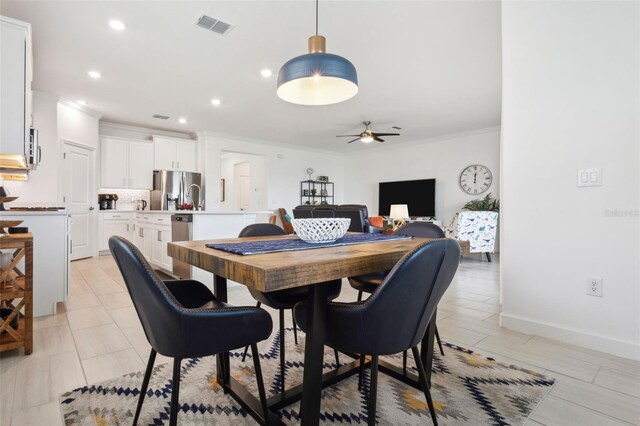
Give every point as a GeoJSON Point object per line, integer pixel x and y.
{"type": "Point", "coordinates": [181, 230]}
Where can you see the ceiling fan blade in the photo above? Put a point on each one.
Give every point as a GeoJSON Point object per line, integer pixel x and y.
{"type": "Point", "coordinates": [346, 136]}
{"type": "Point", "coordinates": [356, 139]}
{"type": "Point", "coordinates": [378, 139]}
{"type": "Point", "coordinates": [386, 134]}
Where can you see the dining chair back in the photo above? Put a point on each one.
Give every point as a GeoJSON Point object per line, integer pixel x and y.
{"type": "Point", "coordinates": [282, 299]}
{"type": "Point", "coordinates": [183, 319]}
{"type": "Point", "coordinates": [396, 316]}
{"type": "Point", "coordinates": [156, 307]}
{"type": "Point", "coordinates": [261, 230]}
{"type": "Point", "coordinates": [420, 229]}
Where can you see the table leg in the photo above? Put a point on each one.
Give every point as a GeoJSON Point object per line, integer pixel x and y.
{"type": "Point", "coordinates": [314, 355]}
{"type": "Point", "coordinates": [426, 350]}
{"type": "Point", "coordinates": [222, 359]}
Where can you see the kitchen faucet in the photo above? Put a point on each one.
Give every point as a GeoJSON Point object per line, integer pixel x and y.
{"type": "Point", "coordinates": [201, 202]}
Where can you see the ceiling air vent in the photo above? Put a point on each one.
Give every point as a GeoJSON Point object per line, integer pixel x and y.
{"type": "Point", "coordinates": [213, 24]}
{"type": "Point", "coordinates": [161, 117]}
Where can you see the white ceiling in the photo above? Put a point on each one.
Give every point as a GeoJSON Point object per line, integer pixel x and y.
{"type": "Point", "coordinates": [432, 68]}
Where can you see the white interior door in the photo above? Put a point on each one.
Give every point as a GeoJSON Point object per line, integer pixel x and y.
{"type": "Point", "coordinates": [79, 197]}
{"type": "Point", "coordinates": [242, 183]}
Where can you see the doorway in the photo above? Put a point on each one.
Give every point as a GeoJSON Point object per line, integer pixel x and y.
{"type": "Point", "coordinates": [242, 185]}
{"type": "Point", "coordinates": [79, 196]}
{"type": "Point", "coordinates": [245, 177]}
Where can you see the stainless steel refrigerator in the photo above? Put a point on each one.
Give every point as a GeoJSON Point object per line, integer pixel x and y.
{"type": "Point", "coordinates": [172, 188]}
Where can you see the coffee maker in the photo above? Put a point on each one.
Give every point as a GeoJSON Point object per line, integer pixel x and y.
{"type": "Point", "coordinates": [107, 201]}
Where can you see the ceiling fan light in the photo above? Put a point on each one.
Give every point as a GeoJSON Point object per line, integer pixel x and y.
{"type": "Point", "coordinates": [317, 79]}
{"type": "Point", "coordinates": [367, 138]}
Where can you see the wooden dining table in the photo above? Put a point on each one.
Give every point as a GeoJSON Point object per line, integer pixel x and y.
{"type": "Point", "coordinates": [314, 268]}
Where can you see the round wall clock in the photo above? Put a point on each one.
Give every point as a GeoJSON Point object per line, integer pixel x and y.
{"type": "Point", "coordinates": [475, 179]}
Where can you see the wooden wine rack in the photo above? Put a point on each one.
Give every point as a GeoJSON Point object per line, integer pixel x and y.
{"type": "Point", "coordinates": [16, 292]}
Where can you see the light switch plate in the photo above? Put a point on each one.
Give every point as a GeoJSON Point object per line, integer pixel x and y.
{"type": "Point", "coordinates": [589, 177]}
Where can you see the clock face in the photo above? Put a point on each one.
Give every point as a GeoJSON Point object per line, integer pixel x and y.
{"type": "Point", "coordinates": [475, 179]}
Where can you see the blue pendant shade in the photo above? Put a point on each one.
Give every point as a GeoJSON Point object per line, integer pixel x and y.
{"type": "Point", "coordinates": [317, 79]}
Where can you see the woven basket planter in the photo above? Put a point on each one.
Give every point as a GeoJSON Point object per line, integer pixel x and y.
{"type": "Point", "coordinates": [322, 230]}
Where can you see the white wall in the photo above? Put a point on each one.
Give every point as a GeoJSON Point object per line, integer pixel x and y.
{"type": "Point", "coordinates": [570, 101]}
{"type": "Point", "coordinates": [42, 187]}
{"type": "Point", "coordinates": [285, 169]}
{"type": "Point", "coordinates": [440, 158]}
{"type": "Point", "coordinates": [55, 119]}
{"type": "Point", "coordinates": [75, 124]}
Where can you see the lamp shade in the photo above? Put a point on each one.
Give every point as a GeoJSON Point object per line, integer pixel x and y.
{"type": "Point", "coordinates": [317, 79]}
{"type": "Point", "coordinates": [399, 211]}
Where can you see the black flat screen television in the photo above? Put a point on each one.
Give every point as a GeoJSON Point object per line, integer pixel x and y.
{"type": "Point", "coordinates": [418, 195]}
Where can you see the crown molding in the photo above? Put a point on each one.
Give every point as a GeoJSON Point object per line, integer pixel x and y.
{"type": "Point", "coordinates": [148, 130]}
{"type": "Point", "coordinates": [84, 109]}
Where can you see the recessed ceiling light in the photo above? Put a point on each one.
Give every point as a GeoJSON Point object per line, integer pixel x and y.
{"type": "Point", "coordinates": [215, 101]}
{"type": "Point", "coordinates": [83, 103]}
{"type": "Point", "coordinates": [117, 25]}
{"type": "Point", "coordinates": [266, 73]}
{"type": "Point", "coordinates": [182, 120]}
{"type": "Point", "coordinates": [94, 74]}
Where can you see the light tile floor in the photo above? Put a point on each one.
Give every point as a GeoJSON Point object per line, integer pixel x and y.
{"type": "Point", "coordinates": [96, 336]}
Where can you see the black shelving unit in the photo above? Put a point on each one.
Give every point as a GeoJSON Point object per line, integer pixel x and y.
{"type": "Point", "coordinates": [316, 192]}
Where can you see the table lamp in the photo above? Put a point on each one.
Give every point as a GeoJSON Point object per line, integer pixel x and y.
{"type": "Point", "coordinates": [398, 214]}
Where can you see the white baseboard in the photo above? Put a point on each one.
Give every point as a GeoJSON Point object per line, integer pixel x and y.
{"type": "Point", "coordinates": [622, 348]}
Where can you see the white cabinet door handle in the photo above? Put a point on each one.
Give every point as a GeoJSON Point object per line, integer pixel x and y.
{"type": "Point", "coordinates": [160, 236]}
{"type": "Point", "coordinates": [141, 232]}
{"type": "Point", "coordinates": [172, 165]}
{"type": "Point", "coordinates": [178, 167]}
{"type": "Point", "coordinates": [127, 227]}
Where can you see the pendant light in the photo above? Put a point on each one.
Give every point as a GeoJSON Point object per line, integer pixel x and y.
{"type": "Point", "coordinates": [317, 78]}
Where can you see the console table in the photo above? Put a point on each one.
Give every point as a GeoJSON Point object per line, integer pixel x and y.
{"type": "Point", "coordinates": [16, 293]}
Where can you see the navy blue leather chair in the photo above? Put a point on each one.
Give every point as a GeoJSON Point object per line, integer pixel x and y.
{"type": "Point", "coordinates": [283, 299]}
{"type": "Point", "coordinates": [368, 283]}
{"type": "Point", "coordinates": [183, 319]}
{"type": "Point", "coordinates": [396, 316]}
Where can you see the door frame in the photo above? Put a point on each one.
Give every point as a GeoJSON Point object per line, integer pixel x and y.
{"type": "Point", "coordinates": [93, 189]}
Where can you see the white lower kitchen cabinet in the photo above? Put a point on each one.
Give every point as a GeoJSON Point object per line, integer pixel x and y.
{"type": "Point", "coordinates": [112, 223]}
{"type": "Point", "coordinates": [50, 257]}
{"type": "Point", "coordinates": [152, 233]}
{"type": "Point", "coordinates": [159, 257]}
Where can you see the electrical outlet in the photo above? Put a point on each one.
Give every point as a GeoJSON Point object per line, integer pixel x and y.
{"type": "Point", "coordinates": [594, 286]}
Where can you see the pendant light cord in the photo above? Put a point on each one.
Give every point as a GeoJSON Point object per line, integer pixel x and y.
{"type": "Point", "coordinates": [316, 17]}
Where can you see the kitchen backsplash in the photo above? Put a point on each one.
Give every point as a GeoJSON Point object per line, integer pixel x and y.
{"type": "Point", "coordinates": [128, 197]}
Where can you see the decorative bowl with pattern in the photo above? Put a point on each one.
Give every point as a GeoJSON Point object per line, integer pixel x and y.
{"type": "Point", "coordinates": [321, 230]}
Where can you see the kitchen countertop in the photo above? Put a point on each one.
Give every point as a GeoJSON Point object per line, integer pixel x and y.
{"type": "Point", "coordinates": [35, 213]}
{"type": "Point", "coordinates": [196, 212]}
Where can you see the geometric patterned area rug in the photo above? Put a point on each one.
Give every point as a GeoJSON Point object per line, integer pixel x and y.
{"type": "Point", "coordinates": [467, 388]}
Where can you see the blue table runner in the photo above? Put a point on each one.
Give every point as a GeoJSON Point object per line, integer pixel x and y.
{"type": "Point", "coordinates": [272, 246]}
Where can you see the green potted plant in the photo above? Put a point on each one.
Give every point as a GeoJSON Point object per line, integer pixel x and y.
{"type": "Point", "coordinates": [486, 204]}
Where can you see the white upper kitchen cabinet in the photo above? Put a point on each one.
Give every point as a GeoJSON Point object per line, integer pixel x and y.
{"type": "Point", "coordinates": [126, 163]}
{"type": "Point", "coordinates": [15, 85]}
{"type": "Point", "coordinates": [174, 154]}
{"type": "Point", "coordinates": [140, 165]}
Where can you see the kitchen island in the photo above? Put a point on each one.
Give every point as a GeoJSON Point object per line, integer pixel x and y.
{"type": "Point", "coordinates": [50, 230]}
{"type": "Point", "coordinates": [151, 231]}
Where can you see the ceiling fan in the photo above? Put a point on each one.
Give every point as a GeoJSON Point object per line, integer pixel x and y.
{"type": "Point", "coordinates": [368, 135]}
